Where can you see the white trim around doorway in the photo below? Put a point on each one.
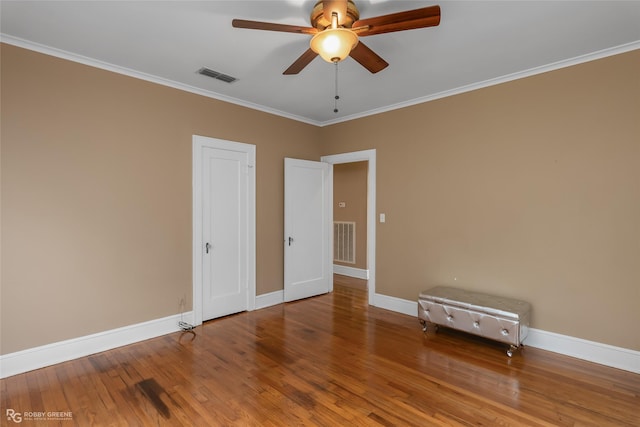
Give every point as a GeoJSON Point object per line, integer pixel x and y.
{"type": "Point", "coordinates": [369, 156]}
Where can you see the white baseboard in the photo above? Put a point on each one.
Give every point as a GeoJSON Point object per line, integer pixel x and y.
{"type": "Point", "coordinates": [50, 354]}
{"type": "Point", "coordinates": [267, 300]}
{"type": "Point", "coordinates": [398, 305]}
{"type": "Point", "coordinates": [62, 351]}
{"type": "Point", "coordinates": [358, 273]}
{"type": "Point", "coordinates": [603, 354]}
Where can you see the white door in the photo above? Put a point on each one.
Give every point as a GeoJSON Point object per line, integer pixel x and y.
{"type": "Point", "coordinates": [307, 219]}
{"type": "Point", "coordinates": [225, 244]}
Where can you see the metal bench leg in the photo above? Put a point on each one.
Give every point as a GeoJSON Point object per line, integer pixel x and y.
{"type": "Point", "coordinates": [424, 324]}
{"type": "Point", "coordinates": [512, 348]}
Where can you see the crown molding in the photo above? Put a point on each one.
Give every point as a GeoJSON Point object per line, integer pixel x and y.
{"type": "Point", "coordinates": [85, 60]}
{"type": "Point", "coordinates": [628, 47]}
{"type": "Point", "coordinates": [59, 53]}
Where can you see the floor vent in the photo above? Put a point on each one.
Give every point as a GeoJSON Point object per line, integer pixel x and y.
{"type": "Point", "coordinates": [216, 75]}
{"type": "Point", "coordinates": [344, 241]}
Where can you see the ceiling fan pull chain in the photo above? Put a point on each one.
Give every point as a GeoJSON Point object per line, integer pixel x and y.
{"type": "Point", "coordinates": [335, 102]}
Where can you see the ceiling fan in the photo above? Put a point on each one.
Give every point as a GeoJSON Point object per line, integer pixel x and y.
{"type": "Point", "coordinates": [336, 27]}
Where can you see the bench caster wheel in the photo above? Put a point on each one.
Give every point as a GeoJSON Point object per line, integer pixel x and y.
{"type": "Point", "coordinates": [424, 325]}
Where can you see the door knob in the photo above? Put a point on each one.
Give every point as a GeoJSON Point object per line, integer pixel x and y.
{"type": "Point", "coordinates": [290, 240]}
{"type": "Point", "coordinates": [207, 246]}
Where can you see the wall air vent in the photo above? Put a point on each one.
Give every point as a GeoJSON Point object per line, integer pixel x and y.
{"type": "Point", "coordinates": [344, 241]}
{"type": "Point", "coordinates": [216, 75]}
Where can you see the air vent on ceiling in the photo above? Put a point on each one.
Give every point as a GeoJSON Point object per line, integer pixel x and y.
{"type": "Point", "coordinates": [216, 75]}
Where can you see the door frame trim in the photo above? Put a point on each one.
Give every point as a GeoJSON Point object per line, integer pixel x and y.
{"type": "Point", "coordinates": [198, 143]}
{"type": "Point", "coordinates": [358, 156]}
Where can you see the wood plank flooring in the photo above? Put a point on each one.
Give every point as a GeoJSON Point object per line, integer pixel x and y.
{"type": "Point", "coordinates": [327, 361]}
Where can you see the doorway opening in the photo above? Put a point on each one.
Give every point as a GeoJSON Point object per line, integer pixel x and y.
{"type": "Point", "coordinates": [350, 224]}
{"type": "Point", "coordinates": [368, 156]}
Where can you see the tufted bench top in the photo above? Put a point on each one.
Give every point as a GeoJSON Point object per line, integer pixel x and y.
{"type": "Point", "coordinates": [478, 302]}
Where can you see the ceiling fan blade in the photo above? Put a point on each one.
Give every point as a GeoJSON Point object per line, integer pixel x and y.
{"type": "Point", "coordinates": [301, 62]}
{"type": "Point", "coordinates": [269, 26]}
{"type": "Point", "coordinates": [408, 20]}
{"type": "Point", "coordinates": [338, 6]}
{"type": "Point", "coordinates": [368, 58]}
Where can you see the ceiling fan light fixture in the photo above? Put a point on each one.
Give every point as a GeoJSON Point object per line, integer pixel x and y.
{"type": "Point", "coordinates": [333, 41]}
{"type": "Point", "coordinates": [334, 44]}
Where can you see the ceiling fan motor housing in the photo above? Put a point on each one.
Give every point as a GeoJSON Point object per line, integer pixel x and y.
{"type": "Point", "coordinates": [319, 21]}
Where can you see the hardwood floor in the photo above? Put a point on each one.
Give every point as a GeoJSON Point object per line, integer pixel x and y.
{"type": "Point", "coordinates": [349, 282]}
{"type": "Point", "coordinates": [330, 361]}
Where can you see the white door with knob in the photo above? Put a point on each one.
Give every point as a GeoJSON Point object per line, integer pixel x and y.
{"type": "Point", "coordinates": [226, 241]}
{"type": "Point", "coordinates": [308, 215]}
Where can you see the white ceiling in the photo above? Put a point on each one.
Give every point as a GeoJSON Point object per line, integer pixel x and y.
{"type": "Point", "coordinates": [477, 43]}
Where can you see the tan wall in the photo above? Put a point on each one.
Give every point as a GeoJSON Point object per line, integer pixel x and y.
{"type": "Point", "coordinates": [350, 186]}
{"type": "Point", "coordinates": [528, 189]}
{"type": "Point", "coordinates": [96, 195]}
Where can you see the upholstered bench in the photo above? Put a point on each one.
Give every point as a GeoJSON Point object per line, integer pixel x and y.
{"type": "Point", "coordinates": [501, 319]}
